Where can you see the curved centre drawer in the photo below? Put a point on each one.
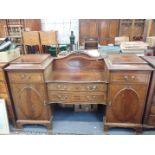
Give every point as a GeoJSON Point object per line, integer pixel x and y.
{"type": "Point", "coordinates": [79, 87]}
{"type": "Point", "coordinates": [70, 98]}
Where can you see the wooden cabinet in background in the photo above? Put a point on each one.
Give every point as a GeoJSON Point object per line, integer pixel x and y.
{"type": "Point", "coordinates": [102, 29]}
{"type": "Point", "coordinates": [127, 91]}
{"type": "Point", "coordinates": [150, 27]}
{"type": "Point", "coordinates": [32, 24]}
{"type": "Point", "coordinates": [2, 28]}
{"type": "Point", "coordinates": [29, 90]}
{"type": "Point", "coordinates": [25, 24]}
{"type": "Point", "coordinates": [108, 30]}
{"type": "Point", "coordinates": [88, 28]}
{"type": "Point", "coordinates": [132, 28]}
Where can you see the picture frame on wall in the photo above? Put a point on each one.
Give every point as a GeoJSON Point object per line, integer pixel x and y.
{"type": "Point", "coordinates": [4, 124]}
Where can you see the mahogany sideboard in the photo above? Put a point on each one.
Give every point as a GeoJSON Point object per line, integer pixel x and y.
{"type": "Point", "coordinates": [149, 116]}
{"type": "Point", "coordinates": [118, 81]}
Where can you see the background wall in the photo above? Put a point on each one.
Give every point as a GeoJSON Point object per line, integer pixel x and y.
{"type": "Point", "coordinates": [64, 28]}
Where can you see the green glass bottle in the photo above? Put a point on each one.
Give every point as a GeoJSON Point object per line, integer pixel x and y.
{"type": "Point", "coordinates": [72, 38]}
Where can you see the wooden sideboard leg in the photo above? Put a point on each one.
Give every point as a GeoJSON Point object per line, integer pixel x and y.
{"type": "Point", "coordinates": [139, 130]}
{"type": "Point", "coordinates": [106, 128]}
{"type": "Point", "coordinates": [49, 126]}
{"type": "Point", "coordinates": [19, 126]}
{"type": "Point", "coordinates": [14, 124]}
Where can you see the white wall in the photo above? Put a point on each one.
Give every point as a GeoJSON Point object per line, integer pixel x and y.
{"type": "Point", "coordinates": [64, 28]}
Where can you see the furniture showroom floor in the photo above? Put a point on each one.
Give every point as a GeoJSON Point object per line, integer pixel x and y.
{"type": "Point", "coordinates": [68, 122]}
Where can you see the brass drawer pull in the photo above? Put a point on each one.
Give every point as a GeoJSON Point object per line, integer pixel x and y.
{"type": "Point", "coordinates": [25, 77]}
{"type": "Point", "coordinates": [133, 77]}
{"type": "Point", "coordinates": [126, 77]}
{"type": "Point", "coordinates": [91, 98]}
{"type": "Point", "coordinates": [92, 87]}
{"type": "Point", "coordinates": [62, 97]}
{"type": "Point", "coordinates": [61, 88]}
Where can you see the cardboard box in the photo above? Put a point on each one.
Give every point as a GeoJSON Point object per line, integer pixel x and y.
{"type": "Point", "coordinates": [9, 55]}
{"type": "Point", "coordinates": [119, 40]}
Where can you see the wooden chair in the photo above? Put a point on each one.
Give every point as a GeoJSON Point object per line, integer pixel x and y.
{"type": "Point", "coordinates": [31, 38]}
{"type": "Point", "coordinates": [48, 38]}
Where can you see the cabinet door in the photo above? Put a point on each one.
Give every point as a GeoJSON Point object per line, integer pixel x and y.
{"type": "Point", "coordinates": [126, 103]}
{"type": "Point", "coordinates": [103, 31]}
{"type": "Point", "coordinates": [125, 27]}
{"type": "Point", "coordinates": [83, 30]}
{"type": "Point", "coordinates": [108, 30]}
{"type": "Point", "coordinates": [30, 101]}
{"type": "Point", "coordinates": [88, 28]}
{"type": "Point", "coordinates": [113, 30]}
{"type": "Point", "coordinates": [93, 28]}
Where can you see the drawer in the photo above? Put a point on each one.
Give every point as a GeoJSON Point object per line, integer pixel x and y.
{"type": "Point", "coordinates": [26, 77]}
{"type": "Point", "coordinates": [131, 77]}
{"type": "Point", "coordinates": [77, 87]}
{"type": "Point", "coordinates": [79, 98]}
{"type": "Point", "coordinates": [1, 76]}
{"type": "Point", "coordinates": [2, 87]}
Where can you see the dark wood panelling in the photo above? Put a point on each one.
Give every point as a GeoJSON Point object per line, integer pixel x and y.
{"type": "Point", "coordinates": [103, 29]}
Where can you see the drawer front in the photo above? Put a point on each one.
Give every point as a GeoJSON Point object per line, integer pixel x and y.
{"type": "Point", "coordinates": [130, 77]}
{"type": "Point", "coordinates": [2, 87]}
{"type": "Point", "coordinates": [1, 76]}
{"type": "Point", "coordinates": [79, 98]}
{"type": "Point", "coordinates": [26, 77]}
{"type": "Point", "coordinates": [77, 87]}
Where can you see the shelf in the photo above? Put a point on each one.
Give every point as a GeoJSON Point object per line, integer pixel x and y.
{"type": "Point", "coordinates": [14, 25]}
{"type": "Point", "coordinates": [14, 36]}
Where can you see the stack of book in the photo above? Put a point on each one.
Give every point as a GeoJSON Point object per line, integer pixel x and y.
{"type": "Point", "coordinates": [134, 47]}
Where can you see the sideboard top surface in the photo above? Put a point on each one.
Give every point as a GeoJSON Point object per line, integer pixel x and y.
{"type": "Point", "coordinates": [126, 62]}
{"type": "Point", "coordinates": [29, 62]}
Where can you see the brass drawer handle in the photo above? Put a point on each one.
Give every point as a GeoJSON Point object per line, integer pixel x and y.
{"type": "Point", "coordinates": [25, 77]}
{"type": "Point", "coordinates": [62, 97]}
{"type": "Point", "coordinates": [91, 98]}
{"type": "Point", "coordinates": [92, 87]}
{"type": "Point", "coordinates": [133, 77]}
{"type": "Point", "coordinates": [126, 77]}
{"type": "Point", "coordinates": [61, 88]}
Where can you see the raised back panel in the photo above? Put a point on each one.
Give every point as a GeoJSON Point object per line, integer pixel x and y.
{"type": "Point", "coordinates": [78, 67]}
{"type": "Point", "coordinates": [78, 61]}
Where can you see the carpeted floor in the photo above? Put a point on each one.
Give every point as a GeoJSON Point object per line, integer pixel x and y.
{"type": "Point", "coordinates": [68, 122]}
